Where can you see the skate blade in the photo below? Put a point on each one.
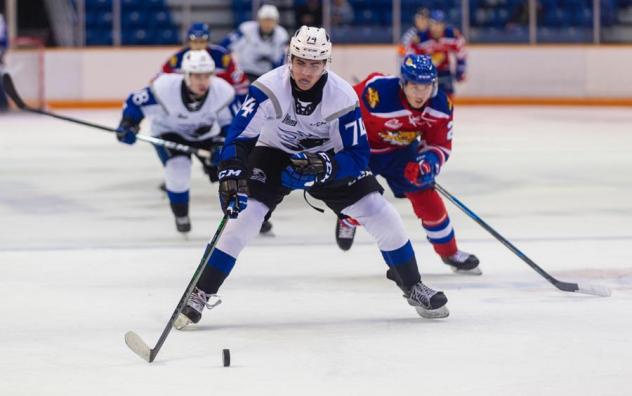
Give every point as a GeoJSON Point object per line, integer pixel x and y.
{"type": "Point", "coordinates": [441, 312]}
{"type": "Point", "coordinates": [138, 346]}
{"type": "Point", "coordinates": [181, 322]}
{"type": "Point", "coordinates": [474, 271]}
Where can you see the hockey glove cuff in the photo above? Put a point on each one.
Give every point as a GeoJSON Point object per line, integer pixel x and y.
{"type": "Point", "coordinates": [306, 170]}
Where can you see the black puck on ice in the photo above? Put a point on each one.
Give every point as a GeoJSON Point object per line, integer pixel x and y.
{"type": "Point", "coordinates": [226, 356]}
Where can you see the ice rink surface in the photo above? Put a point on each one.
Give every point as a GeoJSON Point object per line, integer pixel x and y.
{"type": "Point", "coordinates": [88, 251]}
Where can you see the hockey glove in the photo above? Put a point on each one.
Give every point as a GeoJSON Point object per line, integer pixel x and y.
{"type": "Point", "coordinates": [423, 172]}
{"type": "Point", "coordinates": [460, 73]}
{"type": "Point", "coordinates": [126, 131]}
{"type": "Point", "coordinates": [306, 170]}
{"type": "Point", "coordinates": [233, 187]}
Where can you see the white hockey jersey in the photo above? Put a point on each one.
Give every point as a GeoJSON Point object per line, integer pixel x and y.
{"type": "Point", "coordinates": [253, 53]}
{"type": "Point", "coordinates": [162, 102]}
{"type": "Point", "coordinates": [276, 119]}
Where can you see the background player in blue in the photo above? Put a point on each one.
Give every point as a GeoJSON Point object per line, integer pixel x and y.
{"type": "Point", "coordinates": [190, 108]}
{"type": "Point", "coordinates": [4, 45]}
{"type": "Point", "coordinates": [307, 132]}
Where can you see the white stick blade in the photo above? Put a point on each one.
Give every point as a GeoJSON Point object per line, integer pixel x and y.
{"type": "Point", "coordinates": [600, 291]}
{"type": "Point", "coordinates": [137, 345]}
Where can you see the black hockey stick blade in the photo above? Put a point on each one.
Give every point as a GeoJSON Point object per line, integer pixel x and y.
{"type": "Point", "coordinates": [139, 347]}
{"type": "Point", "coordinates": [9, 88]}
{"type": "Point", "coordinates": [593, 290]}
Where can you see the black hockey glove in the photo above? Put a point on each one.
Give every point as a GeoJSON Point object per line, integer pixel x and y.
{"type": "Point", "coordinates": [127, 131]}
{"type": "Point", "coordinates": [306, 170]}
{"type": "Point", "coordinates": [233, 187]}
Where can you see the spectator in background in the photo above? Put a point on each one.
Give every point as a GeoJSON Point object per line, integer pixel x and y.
{"type": "Point", "coordinates": [309, 14]}
{"type": "Point", "coordinates": [4, 45]}
{"type": "Point", "coordinates": [259, 46]}
{"type": "Point", "coordinates": [341, 13]}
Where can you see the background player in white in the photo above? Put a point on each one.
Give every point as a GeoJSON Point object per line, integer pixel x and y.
{"type": "Point", "coordinates": [259, 46]}
{"type": "Point", "coordinates": [190, 108]}
{"type": "Point", "coordinates": [306, 128]}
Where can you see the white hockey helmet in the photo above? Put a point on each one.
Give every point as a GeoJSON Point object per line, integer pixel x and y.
{"type": "Point", "coordinates": [268, 11]}
{"type": "Point", "coordinates": [311, 43]}
{"type": "Point", "coordinates": [197, 62]}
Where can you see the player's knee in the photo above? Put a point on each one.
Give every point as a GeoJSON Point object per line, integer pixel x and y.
{"type": "Point", "coordinates": [240, 231]}
{"type": "Point", "coordinates": [178, 174]}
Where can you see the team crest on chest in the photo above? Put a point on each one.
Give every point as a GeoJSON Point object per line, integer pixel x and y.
{"type": "Point", "coordinates": [372, 97]}
{"type": "Point", "coordinates": [399, 138]}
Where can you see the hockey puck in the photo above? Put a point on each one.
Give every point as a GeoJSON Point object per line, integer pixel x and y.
{"type": "Point", "coordinates": [226, 356]}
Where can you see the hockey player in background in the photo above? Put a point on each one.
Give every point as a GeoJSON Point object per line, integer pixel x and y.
{"type": "Point", "coordinates": [409, 124]}
{"type": "Point", "coordinates": [198, 38]}
{"type": "Point", "coordinates": [4, 45]}
{"type": "Point", "coordinates": [442, 43]}
{"type": "Point", "coordinates": [260, 45]}
{"type": "Point", "coordinates": [192, 108]}
{"type": "Point", "coordinates": [301, 128]}
{"type": "Point", "coordinates": [421, 22]}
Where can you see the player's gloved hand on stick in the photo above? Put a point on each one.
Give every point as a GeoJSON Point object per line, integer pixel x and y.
{"type": "Point", "coordinates": [306, 170]}
{"type": "Point", "coordinates": [424, 170]}
{"type": "Point", "coordinates": [460, 73]}
{"type": "Point", "coordinates": [233, 187]}
{"type": "Point", "coordinates": [127, 131]}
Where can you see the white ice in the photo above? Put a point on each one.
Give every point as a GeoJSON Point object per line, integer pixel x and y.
{"type": "Point", "coordinates": [88, 251]}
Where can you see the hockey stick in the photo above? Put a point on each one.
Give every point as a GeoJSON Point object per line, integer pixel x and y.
{"type": "Point", "coordinates": [9, 88]}
{"type": "Point", "coordinates": [601, 291]}
{"type": "Point", "coordinates": [133, 340]}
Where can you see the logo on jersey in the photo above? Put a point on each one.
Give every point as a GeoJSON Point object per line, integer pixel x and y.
{"type": "Point", "coordinates": [299, 140]}
{"type": "Point", "coordinates": [173, 61]}
{"type": "Point", "coordinates": [393, 123]}
{"type": "Point", "coordinates": [289, 121]}
{"type": "Point", "coordinates": [248, 107]}
{"type": "Point", "coordinates": [140, 97]}
{"type": "Point", "coordinates": [304, 108]}
{"type": "Point", "coordinates": [399, 138]}
{"type": "Point", "coordinates": [226, 60]}
{"type": "Point", "coordinates": [372, 97]}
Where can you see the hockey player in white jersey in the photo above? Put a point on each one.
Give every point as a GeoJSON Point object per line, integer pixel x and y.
{"type": "Point", "coordinates": [192, 108]}
{"type": "Point", "coordinates": [259, 46]}
{"type": "Point", "coordinates": [301, 128]}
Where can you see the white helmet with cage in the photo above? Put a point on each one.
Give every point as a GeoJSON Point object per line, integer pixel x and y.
{"type": "Point", "coordinates": [196, 62]}
{"type": "Point", "coordinates": [268, 11]}
{"type": "Point", "coordinates": [310, 43]}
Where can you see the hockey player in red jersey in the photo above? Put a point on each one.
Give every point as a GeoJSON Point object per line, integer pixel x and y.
{"type": "Point", "coordinates": [198, 39]}
{"type": "Point", "coordinates": [409, 126]}
{"type": "Point", "coordinates": [441, 43]}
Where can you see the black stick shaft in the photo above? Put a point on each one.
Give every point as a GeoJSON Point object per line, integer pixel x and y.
{"type": "Point", "coordinates": [185, 297]}
{"type": "Point", "coordinates": [565, 286]}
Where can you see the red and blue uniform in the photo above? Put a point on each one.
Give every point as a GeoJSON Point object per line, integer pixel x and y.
{"type": "Point", "coordinates": [422, 42]}
{"type": "Point", "coordinates": [397, 135]}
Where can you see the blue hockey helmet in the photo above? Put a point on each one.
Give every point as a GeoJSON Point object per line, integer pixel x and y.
{"type": "Point", "coordinates": [419, 69]}
{"type": "Point", "coordinates": [199, 30]}
{"type": "Point", "coordinates": [437, 16]}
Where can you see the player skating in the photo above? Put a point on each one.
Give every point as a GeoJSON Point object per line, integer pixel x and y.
{"type": "Point", "coordinates": [301, 128]}
{"type": "Point", "coordinates": [409, 125]}
{"type": "Point", "coordinates": [190, 108]}
{"type": "Point", "coordinates": [260, 45]}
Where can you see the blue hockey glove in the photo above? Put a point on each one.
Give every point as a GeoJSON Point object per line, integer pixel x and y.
{"type": "Point", "coordinates": [306, 170]}
{"type": "Point", "coordinates": [424, 170]}
{"type": "Point", "coordinates": [126, 131]}
{"type": "Point", "coordinates": [233, 187]}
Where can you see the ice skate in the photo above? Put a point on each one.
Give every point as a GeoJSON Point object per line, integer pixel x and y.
{"type": "Point", "coordinates": [183, 224]}
{"type": "Point", "coordinates": [266, 227]}
{"type": "Point", "coordinates": [192, 312]}
{"type": "Point", "coordinates": [463, 263]}
{"type": "Point", "coordinates": [428, 303]}
{"type": "Point", "coordinates": [345, 232]}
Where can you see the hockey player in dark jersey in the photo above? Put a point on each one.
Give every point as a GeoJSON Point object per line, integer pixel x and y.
{"type": "Point", "coordinates": [301, 128]}
{"type": "Point", "coordinates": [409, 125]}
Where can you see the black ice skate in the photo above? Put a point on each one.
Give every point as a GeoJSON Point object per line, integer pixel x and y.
{"type": "Point", "coordinates": [183, 224]}
{"type": "Point", "coordinates": [428, 303]}
{"type": "Point", "coordinates": [345, 232]}
{"type": "Point", "coordinates": [192, 312]}
{"type": "Point", "coordinates": [463, 263]}
{"type": "Point", "coordinates": [266, 226]}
